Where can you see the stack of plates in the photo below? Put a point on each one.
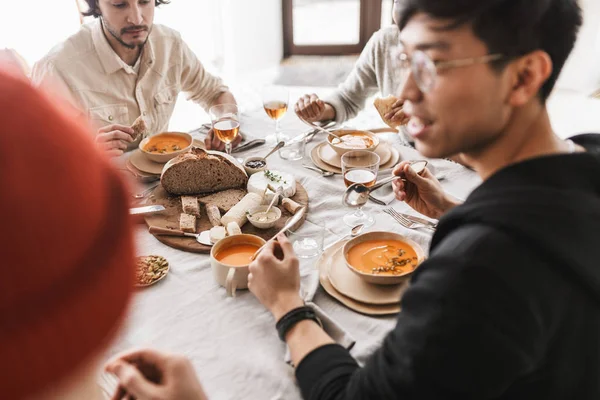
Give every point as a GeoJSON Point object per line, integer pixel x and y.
{"type": "Point", "coordinates": [324, 157]}
{"type": "Point", "coordinates": [352, 291]}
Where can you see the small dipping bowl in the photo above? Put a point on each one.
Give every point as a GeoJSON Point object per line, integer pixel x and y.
{"type": "Point", "coordinates": [255, 217]}
{"type": "Point", "coordinates": [253, 165]}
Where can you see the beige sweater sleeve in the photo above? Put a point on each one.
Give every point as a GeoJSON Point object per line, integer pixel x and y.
{"type": "Point", "coordinates": [375, 71]}
{"type": "Point", "coordinates": [350, 97]}
{"type": "Point", "coordinates": [201, 86]}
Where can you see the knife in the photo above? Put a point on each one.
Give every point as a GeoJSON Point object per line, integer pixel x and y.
{"type": "Point", "coordinates": [251, 144]}
{"type": "Point", "coordinates": [146, 210]}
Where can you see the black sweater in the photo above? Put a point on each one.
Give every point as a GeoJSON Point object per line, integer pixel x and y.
{"type": "Point", "coordinates": [506, 307]}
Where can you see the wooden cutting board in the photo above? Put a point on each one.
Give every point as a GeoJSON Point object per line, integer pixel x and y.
{"type": "Point", "coordinates": [170, 219]}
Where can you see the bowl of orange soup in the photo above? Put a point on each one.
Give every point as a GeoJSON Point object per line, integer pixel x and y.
{"type": "Point", "coordinates": [166, 146]}
{"type": "Point", "coordinates": [352, 139]}
{"type": "Point", "coordinates": [230, 258]}
{"type": "Point", "coordinates": [383, 258]}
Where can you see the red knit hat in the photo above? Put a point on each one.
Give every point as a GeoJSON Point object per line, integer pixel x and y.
{"type": "Point", "coordinates": [67, 266]}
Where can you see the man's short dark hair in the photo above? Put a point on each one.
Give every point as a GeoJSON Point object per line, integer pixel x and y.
{"type": "Point", "coordinates": [510, 27]}
{"type": "Point", "coordinates": [93, 7]}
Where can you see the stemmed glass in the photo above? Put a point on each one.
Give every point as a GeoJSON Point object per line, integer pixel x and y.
{"type": "Point", "coordinates": [360, 166]}
{"type": "Point", "coordinates": [226, 123]}
{"type": "Point", "coordinates": [275, 102]}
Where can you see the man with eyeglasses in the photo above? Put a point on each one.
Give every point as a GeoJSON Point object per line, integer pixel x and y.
{"type": "Point", "coordinates": [507, 306]}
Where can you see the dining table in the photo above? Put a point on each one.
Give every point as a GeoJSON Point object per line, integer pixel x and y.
{"type": "Point", "coordinates": [232, 341]}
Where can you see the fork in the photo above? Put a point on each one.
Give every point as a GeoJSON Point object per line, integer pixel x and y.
{"type": "Point", "coordinates": [407, 223]}
{"type": "Point", "coordinates": [145, 193]}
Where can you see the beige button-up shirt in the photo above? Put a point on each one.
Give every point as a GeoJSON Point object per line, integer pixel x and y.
{"type": "Point", "coordinates": [95, 79]}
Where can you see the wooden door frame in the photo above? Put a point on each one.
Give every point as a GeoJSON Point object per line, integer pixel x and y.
{"type": "Point", "coordinates": [370, 22]}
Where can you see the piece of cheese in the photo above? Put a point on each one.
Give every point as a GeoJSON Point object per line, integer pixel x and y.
{"type": "Point", "coordinates": [259, 182]}
{"type": "Point", "coordinates": [217, 233]}
{"type": "Point", "coordinates": [233, 229]}
{"type": "Point", "coordinates": [291, 206]}
{"type": "Point", "coordinates": [237, 213]}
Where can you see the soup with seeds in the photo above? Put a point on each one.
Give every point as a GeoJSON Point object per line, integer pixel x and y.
{"type": "Point", "coordinates": [165, 143]}
{"type": "Point", "coordinates": [383, 257]}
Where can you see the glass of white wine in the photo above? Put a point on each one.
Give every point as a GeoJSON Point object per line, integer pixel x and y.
{"type": "Point", "coordinates": [275, 102]}
{"type": "Point", "coordinates": [360, 166]}
{"type": "Point", "coordinates": [226, 123]}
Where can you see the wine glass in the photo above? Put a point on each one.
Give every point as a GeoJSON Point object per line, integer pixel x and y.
{"type": "Point", "coordinates": [226, 123]}
{"type": "Point", "coordinates": [360, 166]}
{"type": "Point", "coordinates": [275, 102]}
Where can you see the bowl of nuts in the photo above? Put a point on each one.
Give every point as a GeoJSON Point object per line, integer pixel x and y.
{"type": "Point", "coordinates": [150, 269]}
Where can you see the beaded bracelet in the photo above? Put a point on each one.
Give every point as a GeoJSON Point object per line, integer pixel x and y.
{"type": "Point", "coordinates": [289, 320]}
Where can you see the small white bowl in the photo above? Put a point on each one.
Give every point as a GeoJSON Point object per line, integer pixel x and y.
{"type": "Point", "coordinates": [264, 224]}
{"type": "Point", "coordinates": [250, 170]}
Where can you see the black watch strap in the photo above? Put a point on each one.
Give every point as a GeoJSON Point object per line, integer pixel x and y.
{"type": "Point", "coordinates": [289, 320]}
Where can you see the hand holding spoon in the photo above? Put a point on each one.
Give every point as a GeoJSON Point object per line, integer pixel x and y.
{"type": "Point", "coordinates": [357, 194]}
{"type": "Point", "coordinates": [293, 221]}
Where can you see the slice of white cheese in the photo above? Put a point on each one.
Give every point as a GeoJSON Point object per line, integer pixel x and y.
{"type": "Point", "coordinates": [217, 233]}
{"type": "Point", "coordinates": [237, 213]}
{"type": "Point", "coordinates": [259, 181]}
{"type": "Point", "coordinates": [233, 229]}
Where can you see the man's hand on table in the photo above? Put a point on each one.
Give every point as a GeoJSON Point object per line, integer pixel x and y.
{"type": "Point", "coordinates": [212, 142]}
{"type": "Point", "coordinates": [422, 192]}
{"type": "Point", "coordinates": [113, 139]}
{"type": "Point", "coordinates": [275, 281]}
{"type": "Point", "coordinates": [310, 108]}
{"type": "Point", "coordinates": [148, 374]}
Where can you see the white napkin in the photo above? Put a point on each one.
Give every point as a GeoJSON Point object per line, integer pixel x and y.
{"type": "Point", "coordinates": [310, 285]}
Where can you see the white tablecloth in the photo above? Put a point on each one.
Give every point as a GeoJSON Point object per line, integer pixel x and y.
{"type": "Point", "coordinates": [232, 342]}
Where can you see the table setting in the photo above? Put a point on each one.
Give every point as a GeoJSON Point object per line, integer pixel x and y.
{"type": "Point", "coordinates": [200, 308]}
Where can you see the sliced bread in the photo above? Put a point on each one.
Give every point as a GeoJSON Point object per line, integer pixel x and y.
{"type": "Point", "coordinates": [384, 106]}
{"type": "Point", "coordinates": [225, 199]}
{"type": "Point", "coordinates": [187, 223]}
{"type": "Point", "coordinates": [199, 171]}
{"type": "Point", "coordinates": [190, 205]}
{"type": "Point", "coordinates": [139, 128]}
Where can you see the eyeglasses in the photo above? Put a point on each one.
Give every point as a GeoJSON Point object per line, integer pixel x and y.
{"type": "Point", "coordinates": [425, 70]}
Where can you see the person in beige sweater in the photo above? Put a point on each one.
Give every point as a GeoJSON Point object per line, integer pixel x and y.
{"type": "Point", "coordinates": [375, 71]}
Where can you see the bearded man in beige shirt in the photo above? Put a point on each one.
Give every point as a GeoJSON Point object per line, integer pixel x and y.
{"type": "Point", "coordinates": [122, 66]}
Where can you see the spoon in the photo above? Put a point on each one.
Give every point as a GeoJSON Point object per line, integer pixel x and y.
{"type": "Point", "coordinates": [274, 149]}
{"type": "Point", "coordinates": [319, 170]}
{"type": "Point", "coordinates": [264, 159]}
{"type": "Point", "coordinates": [202, 237]}
{"type": "Point", "coordinates": [292, 221]}
{"type": "Point", "coordinates": [357, 194]}
{"type": "Point", "coordinates": [355, 231]}
{"type": "Point", "coordinates": [321, 129]}
{"type": "Point", "coordinates": [276, 197]}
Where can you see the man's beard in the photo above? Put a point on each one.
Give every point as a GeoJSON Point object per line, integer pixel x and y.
{"type": "Point", "coordinates": [125, 30]}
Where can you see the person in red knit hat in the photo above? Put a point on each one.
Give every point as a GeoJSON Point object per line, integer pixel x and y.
{"type": "Point", "coordinates": [68, 259]}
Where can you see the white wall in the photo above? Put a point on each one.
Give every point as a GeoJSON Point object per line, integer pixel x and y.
{"type": "Point", "coordinates": [33, 27]}
{"type": "Point", "coordinates": [581, 72]}
{"type": "Point", "coordinates": [253, 36]}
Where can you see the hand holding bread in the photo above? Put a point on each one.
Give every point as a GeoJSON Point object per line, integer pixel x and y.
{"type": "Point", "coordinates": [390, 110]}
